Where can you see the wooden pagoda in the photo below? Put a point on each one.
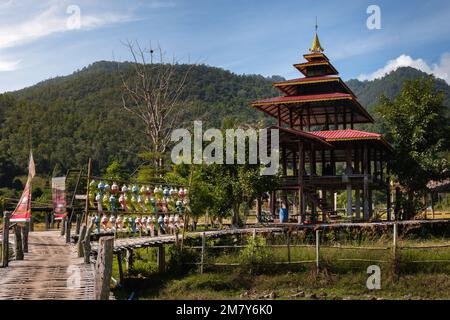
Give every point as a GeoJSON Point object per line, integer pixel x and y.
{"type": "Point", "coordinates": [321, 152]}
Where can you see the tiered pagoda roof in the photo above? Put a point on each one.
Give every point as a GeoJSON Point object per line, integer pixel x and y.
{"type": "Point", "coordinates": [321, 98]}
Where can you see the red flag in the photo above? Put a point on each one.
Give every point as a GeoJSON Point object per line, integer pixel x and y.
{"type": "Point", "coordinates": [22, 213]}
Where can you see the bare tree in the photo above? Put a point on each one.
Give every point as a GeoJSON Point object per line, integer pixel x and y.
{"type": "Point", "coordinates": [153, 94]}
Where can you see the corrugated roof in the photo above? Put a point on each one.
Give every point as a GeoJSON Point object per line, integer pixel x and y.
{"type": "Point", "coordinates": [348, 134]}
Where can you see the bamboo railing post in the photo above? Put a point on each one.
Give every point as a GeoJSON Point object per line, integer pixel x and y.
{"type": "Point", "coordinates": [203, 252]}
{"type": "Point", "coordinates": [129, 260]}
{"type": "Point", "coordinates": [81, 237]}
{"type": "Point", "coordinates": [18, 242]}
{"type": "Point", "coordinates": [68, 229]}
{"type": "Point", "coordinates": [161, 258]}
{"type": "Point", "coordinates": [395, 240]}
{"type": "Point", "coordinates": [317, 251]}
{"type": "Point", "coordinates": [63, 226]}
{"type": "Point", "coordinates": [25, 230]}
{"type": "Point", "coordinates": [103, 268]}
{"type": "Point", "coordinates": [86, 208]}
{"type": "Point", "coordinates": [5, 240]}
{"type": "Point", "coordinates": [119, 263]}
{"type": "Point", "coordinates": [87, 244]}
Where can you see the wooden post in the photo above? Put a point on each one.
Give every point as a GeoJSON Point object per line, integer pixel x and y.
{"type": "Point", "coordinates": [63, 226]}
{"type": "Point", "coordinates": [47, 223]}
{"type": "Point", "coordinates": [366, 184]}
{"type": "Point", "coordinates": [202, 261]}
{"type": "Point", "coordinates": [432, 204]}
{"type": "Point", "coordinates": [317, 251]}
{"type": "Point", "coordinates": [348, 173]}
{"type": "Point", "coordinates": [273, 203]}
{"type": "Point", "coordinates": [358, 204]}
{"type": "Point", "coordinates": [388, 199]}
{"type": "Point", "coordinates": [81, 237]}
{"type": "Point", "coordinates": [301, 188]}
{"type": "Point", "coordinates": [288, 244]}
{"type": "Point", "coordinates": [68, 229]}
{"type": "Point", "coordinates": [18, 242]}
{"type": "Point", "coordinates": [25, 230]}
{"type": "Point", "coordinates": [5, 240]}
{"type": "Point", "coordinates": [86, 207]}
{"type": "Point", "coordinates": [129, 260]}
{"type": "Point", "coordinates": [161, 259]}
{"type": "Point", "coordinates": [119, 263]}
{"type": "Point", "coordinates": [87, 244]}
{"type": "Point", "coordinates": [258, 208]}
{"type": "Point", "coordinates": [395, 238]}
{"type": "Point", "coordinates": [78, 226]}
{"type": "Point", "coordinates": [103, 268]}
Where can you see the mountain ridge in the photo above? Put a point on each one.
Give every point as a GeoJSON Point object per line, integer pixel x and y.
{"type": "Point", "coordinates": [80, 115]}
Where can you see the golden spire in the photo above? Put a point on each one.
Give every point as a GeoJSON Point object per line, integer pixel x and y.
{"type": "Point", "coordinates": [316, 47]}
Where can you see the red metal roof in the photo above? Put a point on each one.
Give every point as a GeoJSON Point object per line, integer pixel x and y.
{"type": "Point", "coordinates": [347, 134]}
{"type": "Point", "coordinates": [307, 98]}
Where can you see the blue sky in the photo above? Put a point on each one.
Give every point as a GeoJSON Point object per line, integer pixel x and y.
{"type": "Point", "coordinates": [247, 36]}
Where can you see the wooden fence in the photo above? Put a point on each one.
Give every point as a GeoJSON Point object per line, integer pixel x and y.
{"type": "Point", "coordinates": [394, 248]}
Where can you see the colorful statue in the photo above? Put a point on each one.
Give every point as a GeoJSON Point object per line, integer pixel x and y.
{"type": "Point", "coordinates": [161, 224]}
{"type": "Point", "coordinates": [112, 221]}
{"type": "Point", "coordinates": [98, 198]}
{"type": "Point", "coordinates": [119, 223]}
{"type": "Point", "coordinates": [104, 222]}
{"type": "Point", "coordinates": [114, 188]}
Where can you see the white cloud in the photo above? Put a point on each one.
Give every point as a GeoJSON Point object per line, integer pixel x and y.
{"type": "Point", "coordinates": [439, 70]}
{"type": "Point", "coordinates": [52, 20]}
{"type": "Point", "coordinates": [26, 22]}
{"type": "Point", "coordinates": [9, 65]}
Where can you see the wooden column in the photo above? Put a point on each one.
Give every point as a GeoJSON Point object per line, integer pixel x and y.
{"type": "Point", "coordinates": [273, 203]}
{"type": "Point", "coordinates": [357, 190]}
{"type": "Point", "coordinates": [301, 189]}
{"type": "Point", "coordinates": [283, 154]}
{"type": "Point", "coordinates": [5, 240]}
{"type": "Point", "coordinates": [366, 183]}
{"type": "Point", "coordinates": [388, 194]}
{"type": "Point", "coordinates": [344, 118]}
{"type": "Point", "coordinates": [324, 209]}
{"type": "Point", "coordinates": [348, 172]}
{"type": "Point", "coordinates": [336, 121]}
{"type": "Point", "coordinates": [351, 120]}
{"type": "Point", "coordinates": [279, 116]}
{"type": "Point", "coordinates": [291, 119]}
{"type": "Point", "coordinates": [161, 258]}
{"type": "Point", "coordinates": [129, 260]}
{"type": "Point", "coordinates": [308, 119]}
{"type": "Point", "coordinates": [103, 268]}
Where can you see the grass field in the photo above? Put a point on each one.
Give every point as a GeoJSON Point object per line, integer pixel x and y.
{"type": "Point", "coordinates": [261, 279]}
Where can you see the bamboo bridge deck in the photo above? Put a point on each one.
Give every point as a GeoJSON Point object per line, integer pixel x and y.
{"type": "Point", "coordinates": [51, 270]}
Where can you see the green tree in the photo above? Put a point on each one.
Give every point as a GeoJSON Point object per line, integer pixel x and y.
{"type": "Point", "coordinates": [417, 125]}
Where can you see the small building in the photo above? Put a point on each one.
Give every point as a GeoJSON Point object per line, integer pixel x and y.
{"type": "Point", "coordinates": [321, 152]}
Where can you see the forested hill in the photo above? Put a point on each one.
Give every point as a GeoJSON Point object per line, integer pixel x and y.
{"type": "Point", "coordinates": [369, 92]}
{"type": "Point", "coordinates": [80, 115]}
